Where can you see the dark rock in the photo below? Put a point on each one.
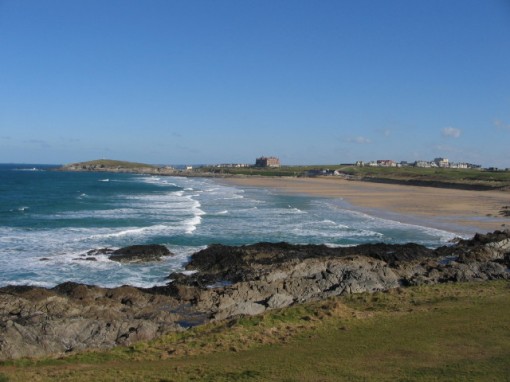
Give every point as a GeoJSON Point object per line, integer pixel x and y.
{"type": "Point", "coordinates": [273, 275]}
{"type": "Point", "coordinates": [99, 251]}
{"type": "Point", "coordinates": [482, 247]}
{"type": "Point", "coordinates": [229, 281]}
{"type": "Point", "coordinates": [505, 211]}
{"type": "Point", "coordinates": [225, 263]}
{"type": "Point", "coordinates": [279, 274]}
{"type": "Point", "coordinates": [140, 253]}
{"type": "Point", "coordinates": [393, 253]}
{"type": "Point", "coordinates": [490, 237]}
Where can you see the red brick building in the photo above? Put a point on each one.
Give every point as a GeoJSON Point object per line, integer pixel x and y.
{"type": "Point", "coordinates": [267, 162]}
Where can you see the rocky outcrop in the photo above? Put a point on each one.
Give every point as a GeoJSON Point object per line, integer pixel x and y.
{"type": "Point", "coordinates": [140, 253]}
{"type": "Point", "coordinates": [231, 281]}
{"type": "Point", "coordinates": [250, 279]}
{"type": "Point", "coordinates": [219, 263]}
{"type": "Point", "coordinates": [298, 281]}
{"type": "Point", "coordinates": [72, 317]}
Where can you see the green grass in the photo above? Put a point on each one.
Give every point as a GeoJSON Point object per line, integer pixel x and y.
{"type": "Point", "coordinates": [262, 171]}
{"type": "Point", "coordinates": [453, 332]}
{"type": "Point", "coordinates": [476, 177]}
{"type": "Point", "coordinates": [437, 174]}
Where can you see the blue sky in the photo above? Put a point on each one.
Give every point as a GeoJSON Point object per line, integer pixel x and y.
{"type": "Point", "coordinates": [313, 82]}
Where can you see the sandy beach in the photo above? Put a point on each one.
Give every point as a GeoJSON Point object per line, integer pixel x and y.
{"type": "Point", "coordinates": [461, 211]}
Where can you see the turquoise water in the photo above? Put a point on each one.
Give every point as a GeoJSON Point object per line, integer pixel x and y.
{"type": "Point", "coordinates": [49, 220]}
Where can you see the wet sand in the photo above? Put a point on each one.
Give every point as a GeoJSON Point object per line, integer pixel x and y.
{"type": "Point", "coordinates": [460, 211]}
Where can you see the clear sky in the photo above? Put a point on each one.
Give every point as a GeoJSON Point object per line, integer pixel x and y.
{"type": "Point", "coordinates": [221, 81]}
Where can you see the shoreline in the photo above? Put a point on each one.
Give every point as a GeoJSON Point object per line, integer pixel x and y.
{"type": "Point", "coordinates": [231, 282]}
{"type": "Point", "coordinates": [453, 210]}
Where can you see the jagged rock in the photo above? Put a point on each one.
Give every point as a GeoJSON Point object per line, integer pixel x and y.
{"type": "Point", "coordinates": [487, 252]}
{"type": "Point", "coordinates": [482, 247]}
{"type": "Point", "coordinates": [70, 317]}
{"type": "Point", "coordinates": [239, 308]}
{"type": "Point", "coordinates": [229, 281]}
{"type": "Point", "coordinates": [226, 263]}
{"type": "Point", "coordinates": [297, 281]}
{"type": "Point", "coordinates": [265, 272]}
{"type": "Point", "coordinates": [280, 300]}
{"type": "Point", "coordinates": [473, 272]}
{"type": "Point", "coordinates": [99, 251]}
{"type": "Point", "coordinates": [140, 253]}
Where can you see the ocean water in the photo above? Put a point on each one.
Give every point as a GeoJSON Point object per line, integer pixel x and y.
{"type": "Point", "coordinates": [50, 220]}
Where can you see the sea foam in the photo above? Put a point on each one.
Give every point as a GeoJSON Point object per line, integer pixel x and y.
{"type": "Point", "coordinates": [73, 213]}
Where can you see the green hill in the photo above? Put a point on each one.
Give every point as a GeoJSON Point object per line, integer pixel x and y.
{"type": "Point", "coordinates": [109, 163]}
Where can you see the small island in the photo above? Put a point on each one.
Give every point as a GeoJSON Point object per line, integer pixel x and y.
{"type": "Point", "coordinates": [117, 166]}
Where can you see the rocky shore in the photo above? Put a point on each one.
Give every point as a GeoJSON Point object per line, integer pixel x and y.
{"type": "Point", "coordinates": [228, 282]}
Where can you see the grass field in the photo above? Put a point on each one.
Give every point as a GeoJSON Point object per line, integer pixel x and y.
{"type": "Point", "coordinates": [431, 174]}
{"type": "Point", "coordinates": [449, 332]}
{"type": "Point", "coordinates": [476, 177]}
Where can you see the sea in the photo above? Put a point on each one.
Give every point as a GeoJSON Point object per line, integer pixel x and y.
{"type": "Point", "coordinates": [50, 220]}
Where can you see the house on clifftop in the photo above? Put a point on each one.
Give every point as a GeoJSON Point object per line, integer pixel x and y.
{"type": "Point", "coordinates": [267, 162]}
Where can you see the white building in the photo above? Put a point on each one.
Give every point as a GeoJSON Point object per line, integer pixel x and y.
{"type": "Point", "coordinates": [442, 162]}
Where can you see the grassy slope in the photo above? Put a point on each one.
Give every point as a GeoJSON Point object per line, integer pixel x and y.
{"type": "Point", "coordinates": [475, 177]}
{"type": "Point", "coordinates": [455, 332]}
{"type": "Point", "coordinates": [468, 176]}
{"type": "Point", "coordinates": [492, 179]}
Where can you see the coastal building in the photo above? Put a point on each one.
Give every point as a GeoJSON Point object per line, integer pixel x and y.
{"type": "Point", "coordinates": [422, 163]}
{"type": "Point", "coordinates": [322, 172]}
{"type": "Point", "coordinates": [267, 162]}
{"type": "Point", "coordinates": [386, 163]}
{"type": "Point", "coordinates": [232, 165]}
{"type": "Point", "coordinates": [436, 163]}
{"type": "Point", "coordinates": [442, 162]}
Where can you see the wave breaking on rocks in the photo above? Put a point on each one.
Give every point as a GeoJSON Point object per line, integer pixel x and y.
{"type": "Point", "coordinates": [228, 281]}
